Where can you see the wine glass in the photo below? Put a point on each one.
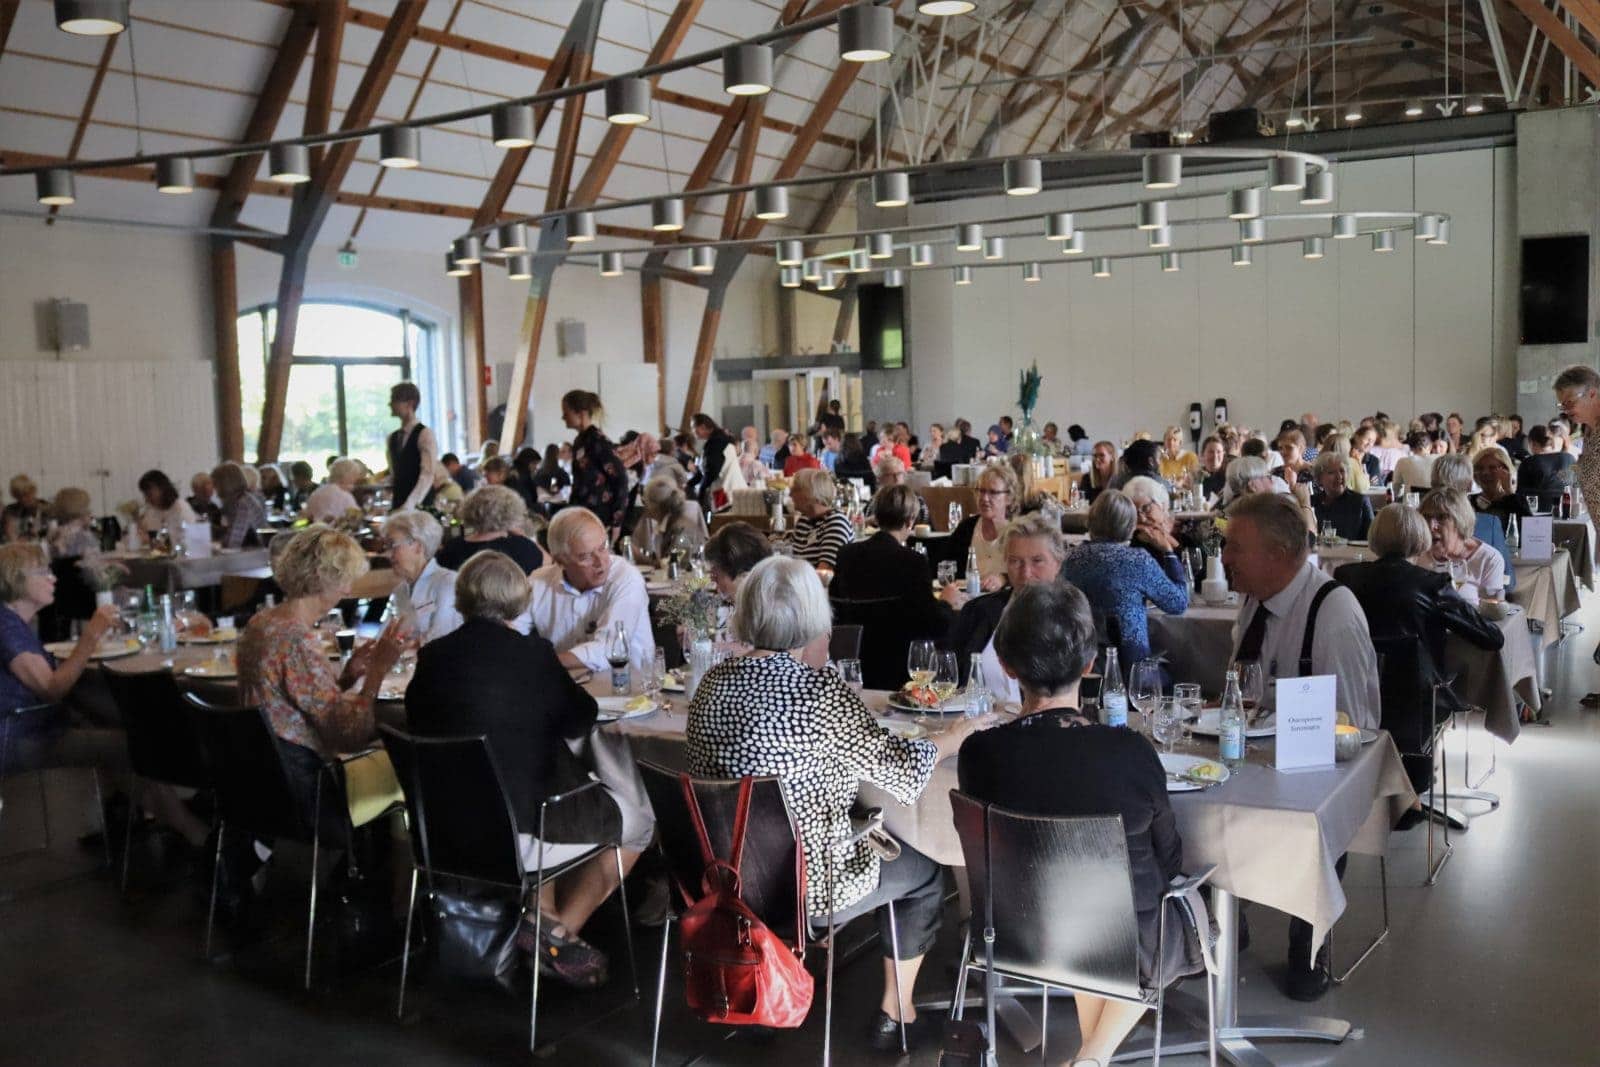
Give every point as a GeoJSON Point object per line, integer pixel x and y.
{"type": "Point", "coordinates": [1167, 723]}
{"type": "Point", "coordinates": [921, 662]}
{"type": "Point", "coordinates": [1250, 688]}
{"type": "Point", "coordinates": [1144, 688]}
{"type": "Point", "coordinates": [1458, 572]}
{"type": "Point", "coordinates": [946, 678]}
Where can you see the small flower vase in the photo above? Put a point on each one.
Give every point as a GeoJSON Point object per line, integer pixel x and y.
{"type": "Point", "coordinates": [702, 657]}
{"type": "Point", "coordinates": [104, 597]}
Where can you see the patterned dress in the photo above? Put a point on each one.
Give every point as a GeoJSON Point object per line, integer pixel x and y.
{"type": "Point", "coordinates": [599, 480]}
{"type": "Point", "coordinates": [284, 671]}
{"type": "Point", "coordinates": [1587, 474]}
{"type": "Point", "coordinates": [1118, 578]}
{"type": "Point", "coordinates": [773, 715]}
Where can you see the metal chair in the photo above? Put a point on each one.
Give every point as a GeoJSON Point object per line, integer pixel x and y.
{"type": "Point", "coordinates": [1091, 946]}
{"type": "Point", "coordinates": [772, 874]}
{"type": "Point", "coordinates": [162, 746]}
{"type": "Point", "coordinates": [845, 642]}
{"type": "Point", "coordinates": [37, 717]}
{"type": "Point", "coordinates": [1401, 664]}
{"type": "Point", "coordinates": [884, 639]}
{"type": "Point", "coordinates": [462, 827]}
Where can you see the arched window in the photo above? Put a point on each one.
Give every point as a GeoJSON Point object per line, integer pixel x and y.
{"type": "Point", "coordinates": [346, 357]}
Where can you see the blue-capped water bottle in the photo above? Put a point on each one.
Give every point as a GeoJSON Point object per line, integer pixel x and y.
{"type": "Point", "coordinates": [1113, 695]}
{"type": "Point", "coordinates": [1230, 724]}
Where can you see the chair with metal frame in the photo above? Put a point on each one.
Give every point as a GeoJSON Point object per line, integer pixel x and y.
{"type": "Point", "coordinates": [162, 746]}
{"type": "Point", "coordinates": [1399, 688]}
{"type": "Point", "coordinates": [36, 716]}
{"type": "Point", "coordinates": [1090, 947]}
{"type": "Point", "coordinates": [845, 642]}
{"type": "Point", "coordinates": [462, 827]}
{"type": "Point", "coordinates": [772, 873]}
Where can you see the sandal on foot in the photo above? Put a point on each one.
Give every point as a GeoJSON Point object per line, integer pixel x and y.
{"type": "Point", "coordinates": [566, 957]}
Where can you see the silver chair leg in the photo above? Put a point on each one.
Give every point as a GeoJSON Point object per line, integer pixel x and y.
{"type": "Point", "coordinates": [661, 990]}
{"type": "Point", "coordinates": [899, 997]}
{"type": "Point", "coordinates": [316, 858]}
{"type": "Point", "coordinates": [958, 1000]}
{"type": "Point", "coordinates": [1211, 1016]}
{"type": "Point", "coordinates": [216, 875]}
{"type": "Point", "coordinates": [127, 837]}
{"type": "Point", "coordinates": [1383, 888]}
{"type": "Point", "coordinates": [627, 920]}
{"type": "Point", "coordinates": [44, 810]}
{"type": "Point", "coordinates": [405, 953]}
{"type": "Point", "coordinates": [1044, 1023]}
{"type": "Point", "coordinates": [1161, 987]}
{"type": "Point", "coordinates": [100, 806]}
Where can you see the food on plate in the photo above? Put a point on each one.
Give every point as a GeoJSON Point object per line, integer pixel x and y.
{"type": "Point", "coordinates": [919, 694]}
{"type": "Point", "coordinates": [639, 703]}
{"type": "Point", "coordinates": [1211, 772]}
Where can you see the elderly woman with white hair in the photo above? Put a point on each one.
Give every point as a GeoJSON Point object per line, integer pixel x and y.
{"type": "Point", "coordinates": [493, 516]}
{"type": "Point", "coordinates": [426, 595]}
{"type": "Point", "coordinates": [1497, 492]}
{"type": "Point", "coordinates": [1477, 569]}
{"type": "Point", "coordinates": [777, 710]}
{"type": "Point", "coordinates": [891, 470]}
{"type": "Point", "coordinates": [1251, 474]}
{"type": "Point", "coordinates": [822, 529]}
{"type": "Point", "coordinates": [1156, 531]}
{"type": "Point", "coordinates": [333, 499]}
{"type": "Point", "coordinates": [671, 521]}
{"type": "Point", "coordinates": [1348, 511]}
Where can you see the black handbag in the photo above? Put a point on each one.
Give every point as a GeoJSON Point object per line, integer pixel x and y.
{"type": "Point", "coordinates": [475, 931]}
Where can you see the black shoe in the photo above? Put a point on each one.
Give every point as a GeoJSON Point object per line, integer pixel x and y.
{"type": "Point", "coordinates": [1412, 818]}
{"type": "Point", "coordinates": [1308, 983]}
{"type": "Point", "coordinates": [883, 1035]}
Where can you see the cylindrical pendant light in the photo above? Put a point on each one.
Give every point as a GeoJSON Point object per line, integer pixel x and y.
{"type": "Point", "coordinates": [289, 164]}
{"type": "Point", "coordinates": [994, 248]}
{"type": "Point", "coordinates": [1058, 226]}
{"type": "Point", "coordinates": [772, 202]}
{"type": "Point", "coordinates": [1285, 173]}
{"type": "Point", "coordinates": [1102, 267]}
{"type": "Point", "coordinates": [1413, 108]}
{"type": "Point", "coordinates": [1073, 246]}
{"type": "Point", "coordinates": [175, 175]}
{"type": "Point", "coordinates": [55, 187]}
{"type": "Point", "coordinates": [513, 238]}
{"type": "Point", "coordinates": [1313, 248]}
{"type": "Point", "coordinates": [1345, 227]}
{"type": "Point", "coordinates": [1473, 105]}
{"type": "Point", "coordinates": [829, 281]}
{"type": "Point", "coordinates": [1383, 241]}
{"type": "Point", "coordinates": [880, 246]}
{"type": "Point", "coordinates": [610, 264]}
{"type": "Point", "coordinates": [969, 237]}
{"type": "Point", "coordinates": [1352, 111]}
{"type": "Point", "coordinates": [1242, 255]}
{"type": "Point", "coordinates": [855, 262]}
{"type": "Point", "coordinates": [866, 33]}
{"type": "Point", "coordinates": [791, 253]}
{"type": "Point", "coordinates": [453, 268]}
{"type": "Point", "coordinates": [1032, 272]}
{"type": "Point", "coordinates": [1252, 231]}
{"type": "Point", "coordinates": [892, 189]}
{"type": "Point", "coordinates": [1294, 121]}
{"type": "Point", "coordinates": [1443, 236]}
{"type": "Point", "coordinates": [92, 18]}
{"type": "Point", "coordinates": [1164, 171]}
{"type": "Point", "coordinates": [628, 101]}
{"type": "Point", "coordinates": [940, 9]}
{"type": "Point", "coordinates": [1023, 177]}
{"type": "Point", "coordinates": [1426, 228]}
{"type": "Point", "coordinates": [894, 278]}
{"type": "Point", "coordinates": [1152, 214]}
{"type": "Point", "coordinates": [400, 146]}
{"type": "Point", "coordinates": [519, 268]}
{"type": "Point", "coordinates": [1170, 263]}
{"type": "Point", "coordinates": [811, 270]}
{"type": "Point", "coordinates": [1161, 237]}
{"type": "Point", "coordinates": [747, 69]}
{"type": "Point", "coordinates": [1244, 203]}
{"type": "Point", "coordinates": [468, 251]}
{"type": "Point", "coordinates": [580, 227]}
{"type": "Point", "coordinates": [789, 277]}
{"type": "Point", "coordinates": [666, 214]}
{"type": "Point", "coordinates": [963, 275]}
{"type": "Point", "coordinates": [1319, 188]}
{"type": "Point", "coordinates": [921, 255]}
{"type": "Point", "coordinates": [702, 260]}
{"type": "Point", "coordinates": [512, 126]}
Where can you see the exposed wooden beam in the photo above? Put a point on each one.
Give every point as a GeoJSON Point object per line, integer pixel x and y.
{"type": "Point", "coordinates": [225, 328]}
{"type": "Point", "coordinates": [743, 161]}
{"type": "Point", "coordinates": [8, 16]}
{"type": "Point", "coordinates": [848, 298]}
{"type": "Point", "coordinates": [511, 164]}
{"type": "Point", "coordinates": [469, 293]}
{"type": "Point", "coordinates": [652, 332]}
{"type": "Point", "coordinates": [566, 151]}
{"type": "Point", "coordinates": [1587, 12]}
{"type": "Point", "coordinates": [324, 72]}
{"type": "Point", "coordinates": [705, 344]}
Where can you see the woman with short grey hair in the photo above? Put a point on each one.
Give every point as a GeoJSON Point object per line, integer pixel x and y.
{"type": "Point", "coordinates": [1399, 531]}
{"type": "Point", "coordinates": [822, 529]}
{"type": "Point", "coordinates": [493, 515]}
{"type": "Point", "coordinates": [1451, 521]}
{"type": "Point", "coordinates": [778, 710]}
{"type": "Point", "coordinates": [671, 521]}
{"type": "Point", "coordinates": [426, 595]}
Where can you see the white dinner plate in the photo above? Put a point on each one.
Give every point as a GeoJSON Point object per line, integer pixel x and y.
{"type": "Point", "coordinates": [1206, 725]}
{"type": "Point", "coordinates": [215, 637]}
{"type": "Point", "coordinates": [675, 682]}
{"type": "Point", "coordinates": [613, 708]}
{"type": "Point", "coordinates": [115, 648]}
{"type": "Point", "coordinates": [956, 705]}
{"type": "Point", "coordinates": [900, 728]}
{"type": "Point", "coordinates": [1178, 764]}
{"type": "Point", "coordinates": [212, 669]}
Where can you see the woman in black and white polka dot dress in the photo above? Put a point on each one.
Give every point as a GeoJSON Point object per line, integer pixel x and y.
{"type": "Point", "coordinates": [778, 711]}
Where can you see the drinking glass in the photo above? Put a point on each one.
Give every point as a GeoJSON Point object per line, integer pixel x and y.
{"type": "Point", "coordinates": [1458, 572]}
{"type": "Point", "coordinates": [1250, 688]}
{"type": "Point", "coordinates": [1329, 533]}
{"type": "Point", "coordinates": [1187, 694]}
{"type": "Point", "coordinates": [655, 673]}
{"type": "Point", "coordinates": [947, 571]}
{"type": "Point", "coordinates": [1166, 726]}
{"type": "Point", "coordinates": [850, 671]}
{"type": "Point", "coordinates": [956, 515]}
{"type": "Point", "coordinates": [921, 662]}
{"type": "Point", "coordinates": [946, 678]}
{"type": "Point", "coordinates": [1144, 689]}
{"type": "Point", "coordinates": [1533, 503]}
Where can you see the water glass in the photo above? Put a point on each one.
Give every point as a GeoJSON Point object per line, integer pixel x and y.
{"type": "Point", "coordinates": [1330, 533]}
{"type": "Point", "coordinates": [947, 571]}
{"type": "Point", "coordinates": [1187, 694]}
{"type": "Point", "coordinates": [1533, 503]}
{"type": "Point", "coordinates": [850, 671]}
{"type": "Point", "coordinates": [956, 515]}
{"type": "Point", "coordinates": [655, 673]}
{"type": "Point", "coordinates": [1166, 726]}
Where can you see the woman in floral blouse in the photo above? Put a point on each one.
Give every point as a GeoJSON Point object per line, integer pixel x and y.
{"type": "Point", "coordinates": [284, 670]}
{"type": "Point", "coordinates": [599, 480]}
{"type": "Point", "coordinates": [778, 711]}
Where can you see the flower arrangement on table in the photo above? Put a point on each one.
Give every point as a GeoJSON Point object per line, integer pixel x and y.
{"type": "Point", "coordinates": [693, 607]}
{"type": "Point", "coordinates": [1026, 440]}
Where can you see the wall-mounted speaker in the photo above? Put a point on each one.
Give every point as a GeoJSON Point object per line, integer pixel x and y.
{"type": "Point", "coordinates": [71, 325]}
{"type": "Point", "coordinates": [571, 338]}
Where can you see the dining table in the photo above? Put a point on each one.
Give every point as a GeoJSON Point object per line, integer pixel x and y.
{"type": "Point", "coordinates": [171, 574]}
{"type": "Point", "coordinates": [1574, 536]}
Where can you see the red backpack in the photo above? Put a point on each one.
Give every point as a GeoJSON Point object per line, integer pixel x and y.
{"type": "Point", "coordinates": [736, 970]}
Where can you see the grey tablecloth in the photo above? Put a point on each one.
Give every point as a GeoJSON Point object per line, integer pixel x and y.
{"type": "Point", "coordinates": [171, 575]}
{"type": "Point", "coordinates": [1547, 591]}
{"type": "Point", "coordinates": [1573, 535]}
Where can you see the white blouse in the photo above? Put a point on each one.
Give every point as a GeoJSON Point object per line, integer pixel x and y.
{"type": "Point", "coordinates": [152, 519]}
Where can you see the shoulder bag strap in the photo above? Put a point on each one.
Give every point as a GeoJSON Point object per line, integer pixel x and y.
{"type": "Point", "coordinates": [692, 803]}
{"type": "Point", "coordinates": [741, 819]}
{"type": "Point", "coordinates": [1311, 625]}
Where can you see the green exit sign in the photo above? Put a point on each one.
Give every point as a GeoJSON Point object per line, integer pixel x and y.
{"type": "Point", "coordinates": [348, 258]}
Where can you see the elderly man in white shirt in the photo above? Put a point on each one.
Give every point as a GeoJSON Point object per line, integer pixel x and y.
{"type": "Point", "coordinates": [426, 595]}
{"type": "Point", "coordinates": [1295, 624]}
{"type": "Point", "coordinates": [579, 599]}
{"type": "Point", "coordinates": [332, 500]}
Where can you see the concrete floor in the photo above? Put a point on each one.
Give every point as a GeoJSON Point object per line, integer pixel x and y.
{"type": "Point", "coordinates": [1494, 965]}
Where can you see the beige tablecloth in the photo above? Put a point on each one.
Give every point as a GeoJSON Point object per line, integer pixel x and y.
{"type": "Point", "coordinates": [1573, 535]}
{"type": "Point", "coordinates": [1547, 591]}
{"type": "Point", "coordinates": [184, 572]}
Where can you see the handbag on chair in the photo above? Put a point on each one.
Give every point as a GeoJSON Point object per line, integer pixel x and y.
{"type": "Point", "coordinates": [736, 970]}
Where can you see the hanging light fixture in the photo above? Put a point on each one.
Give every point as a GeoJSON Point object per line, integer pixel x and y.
{"type": "Point", "coordinates": [400, 147]}
{"type": "Point", "coordinates": [1319, 188]}
{"type": "Point", "coordinates": [55, 187]}
{"type": "Point", "coordinates": [892, 189]}
{"type": "Point", "coordinates": [1312, 248]}
{"type": "Point", "coordinates": [747, 69]}
{"type": "Point", "coordinates": [866, 33]}
{"type": "Point", "coordinates": [1345, 227]}
{"type": "Point", "coordinates": [1244, 203]}
{"type": "Point", "coordinates": [702, 260]}
{"type": "Point", "coordinates": [857, 262]}
{"type": "Point", "coordinates": [1183, 135]}
{"type": "Point", "coordinates": [1383, 241]}
{"type": "Point", "coordinates": [519, 268]}
{"type": "Point", "coordinates": [772, 202]}
{"type": "Point", "coordinates": [1294, 121]}
{"type": "Point", "coordinates": [1161, 237]}
{"type": "Point", "coordinates": [1352, 111]}
{"type": "Point", "coordinates": [994, 248]}
{"type": "Point", "coordinates": [580, 227]}
{"type": "Point", "coordinates": [969, 237]}
{"type": "Point", "coordinates": [1102, 267]}
{"type": "Point", "coordinates": [1443, 236]}
{"type": "Point", "coordinates": [791, 253]}
{"type": "Point", "coordinates": [1152, 214]}
{"type": "Point", "coordinates": [453, 268]}
{"type": "Point", "coordinates": [1031, 272]}
{"type": "Point", "coordinates": [1058, 226]}
{"type": "Point", "coordinates": [627, 101]}
{"type": "Point", "coordinates": [92, 18]}
{"type": "Point", "coordinates": [1252, 231]}
{"type": "Point", "coordinates": [811, 270]}
{"type": "Point", "coordinates": [1473, 105]}
{"type": "Point", "coordinates": [942, 9]}
{"type": "Point", "coordinates": [175, 175]}
{"type": "Point", "coordinates": [894, 278]}
{"type": "Point", "coordinates": [512, 126]}
{"type": "Point", "coordinates": [828, 282]}
{"type": "Point", "coordinates": [468, 251]}
{"type": "Point", "coordinates": [1073, 246]}
{"type": "Point", "coordinates": [1242, 255]}
{"type": "Point", "coordinates": [963, 275]}
{"type": "Point", "coordinates": [666, 214]}
{"type": "Point", "coordinates": [1163, 171]}
{"type": "Point", "coordinates": [880, 246]}
{"type": "Point", "coordinates": [1285, 173]}
{"type": "Point", "coordinates": [1413, 108]}
{"type": "Point", "coordinates": [1023, 177]}
{"type": "Point", "coordinates": [1426, 227]}
{"type": "Point", "coordinates": [789, 277]}
{"type": "Point", "coordinates": [513, 238]}
{"type": "Point", "coordinates": [289, 164]}
{"type": "Point", "coordinates": [1170, 263]}
{"type": "Point", "coordinates": [921, 255]}
{"type": "Point", "coordinates": [610, 264]}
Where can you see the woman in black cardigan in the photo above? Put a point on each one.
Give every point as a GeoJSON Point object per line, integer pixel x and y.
{"type": "Point", "coordinates": [1034, 551]}
{"type": "Point", "coordinates": [487, 679]}
{"type": "Point", "coordinates": [1052, 760]}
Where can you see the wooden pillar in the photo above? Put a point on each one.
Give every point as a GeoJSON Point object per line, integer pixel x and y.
{"type": "Point", "coordinates": [653, 335]}
{"type": "Point", "coordinates": [704, 347]}
{"type": "Point", "coordinates": [847, 312]}
{"type": "Point", "coordinates": [528, 361]}
{"type": "Point", "coordinates": [473, 345]}
{"type": "Point", "coordinates": [291, 292]}
{"type": "Point", "coordinates": [225, 328]}
{"type": "Point", "coordinates": [787, 346]}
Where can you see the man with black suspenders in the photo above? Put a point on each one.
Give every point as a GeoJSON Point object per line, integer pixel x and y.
{"type": "Point", "coordinates": [1297, 621]}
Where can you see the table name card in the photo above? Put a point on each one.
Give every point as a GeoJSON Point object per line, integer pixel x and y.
{"type": "Point", "coordinates": [1305, 720]}
{"type": "Point", "coordinates": [1538, 538]}
{"type": "Point", "coordinates": [197, 539]}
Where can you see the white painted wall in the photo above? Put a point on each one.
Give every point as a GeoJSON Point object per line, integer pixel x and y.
{"type": "Point", "coordinates": [1423, 328]}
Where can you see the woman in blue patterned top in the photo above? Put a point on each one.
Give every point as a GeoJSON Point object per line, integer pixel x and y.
{"type": "Point", "coordinates": [1118, 578]}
